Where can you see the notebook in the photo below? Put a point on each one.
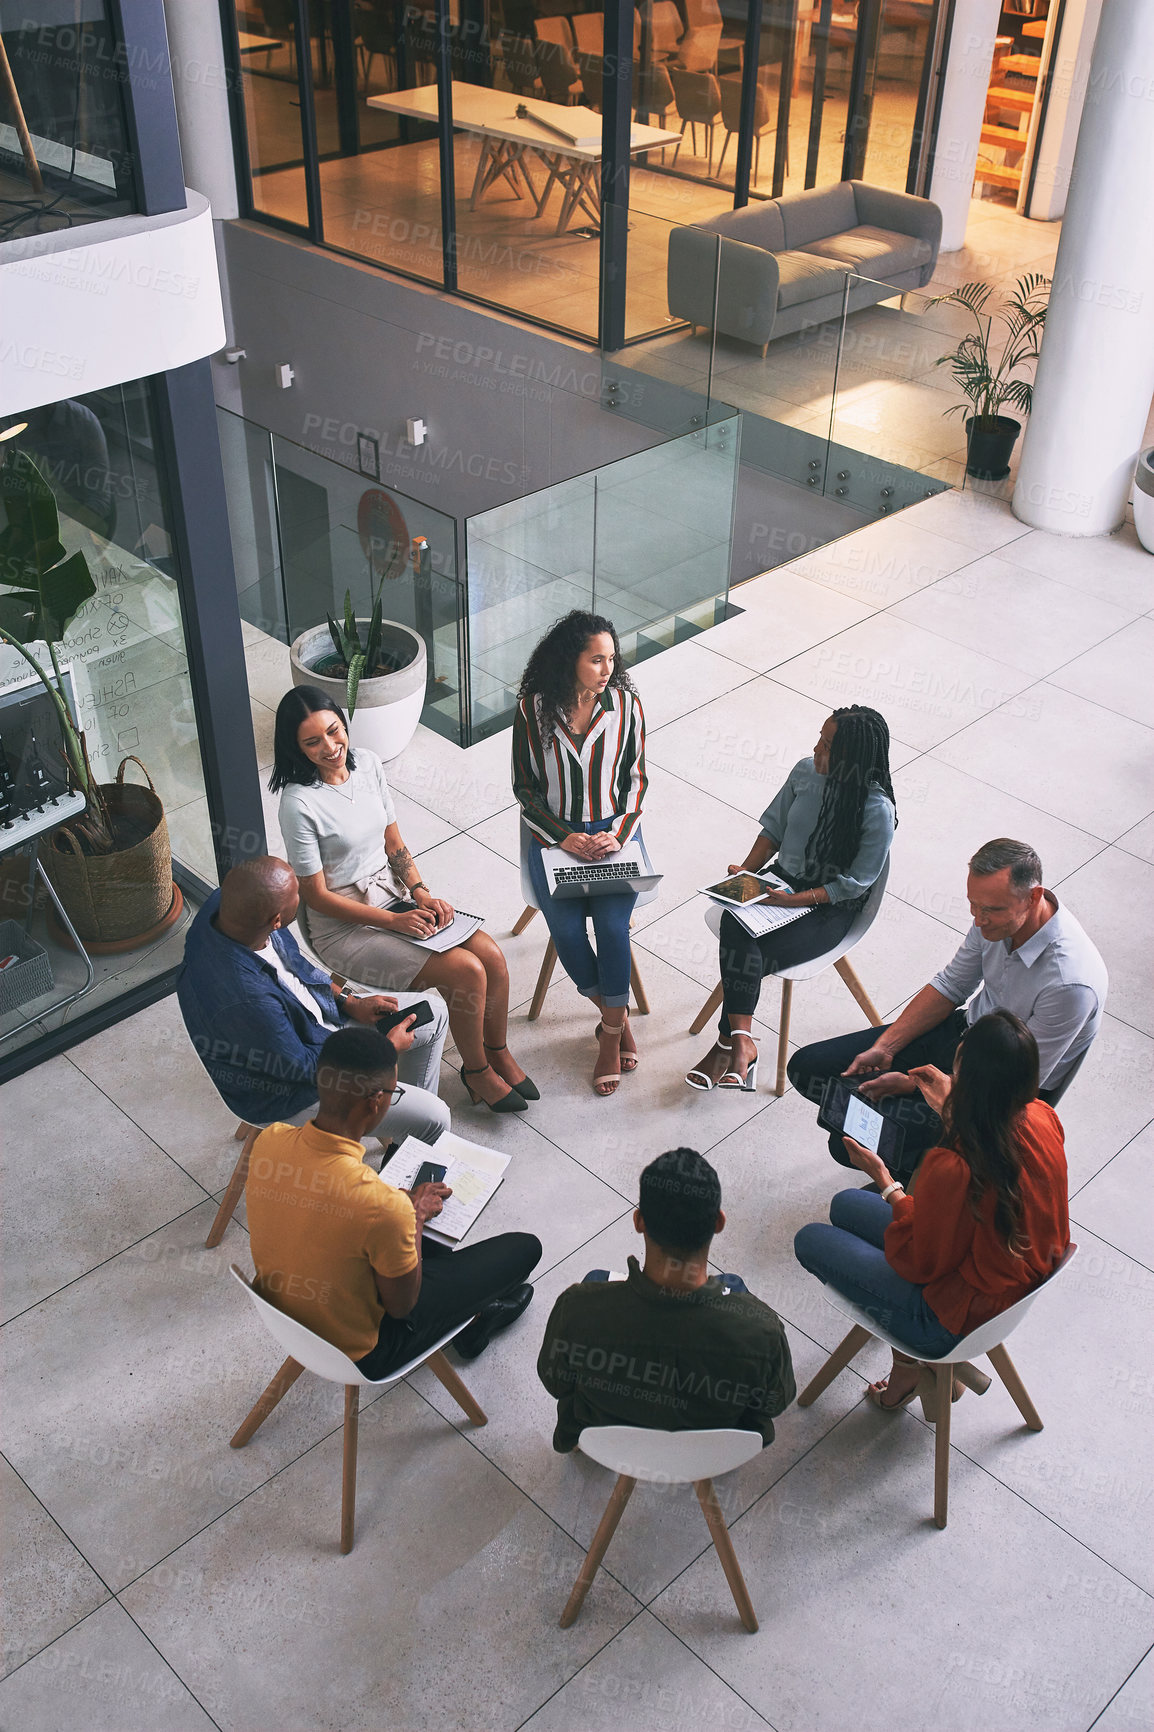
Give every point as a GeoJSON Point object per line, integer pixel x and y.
{"type": "Point", "coordinates": [472, 1173]}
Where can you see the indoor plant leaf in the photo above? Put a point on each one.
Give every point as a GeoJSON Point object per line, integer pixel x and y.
{"type": "Point", "coordinates": [356, 669]}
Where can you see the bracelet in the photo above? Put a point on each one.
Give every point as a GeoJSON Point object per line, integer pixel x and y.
{"type": "Point", "coordinates": [890, 1189]}
{"type": "Point", "coordinates": [421, 885]}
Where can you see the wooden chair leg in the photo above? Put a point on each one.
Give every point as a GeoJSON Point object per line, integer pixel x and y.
{"type": "Point", "coordinates": [708, 1010]}
{"type": "Point", "coordinates": [445, 1375]}
{"type": "Point", "coordinates": [944, 1392]}
{"type": "Point", "coordinates": [1006, 1370]}
{"type": "Point", "coordinates": [837, 1362]}
{"type": "Point", "coordinates": [241, 1132]}
{"type": "Point", "coordinates": [606, 1528]}
{"type": "Point", "coordinates": [236, 1184]}
{"type": "Point", "coordinates": [638, 988]}
{"type": "Point", "coordinates": [783, 1036]}
{"type": "Point", "coordinates": [543, 980]}
{"type": "Point", "coordinates": [276, 1391]}
{"type": "Point", "coordinates": [349, 1466]}
{"type": "Point", "coordinates": [858, 990]}
{"type": "Point", "coordinates": [707, 1498]}
{"type": "Point", "coordinates": [523, 920]}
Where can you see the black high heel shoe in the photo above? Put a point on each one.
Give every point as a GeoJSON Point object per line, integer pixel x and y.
{"type": "Point", "coordinates": [510, 1103]}
{"type": "Point", "coordinates": [526, 1088]}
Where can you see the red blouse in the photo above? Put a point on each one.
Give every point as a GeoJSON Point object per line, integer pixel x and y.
{"type": "Point", "coordinates": [965, 1266]}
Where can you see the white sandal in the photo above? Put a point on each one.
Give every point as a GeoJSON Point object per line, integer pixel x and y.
{"type": "Point", "coordinates": [700, 1079]}
{"type": "Point", "coordinates": [734, 1080]}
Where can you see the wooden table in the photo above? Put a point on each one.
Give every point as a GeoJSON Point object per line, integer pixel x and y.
{"type": "Point", "coordinates": [506, 141]}
{"type": "Point", "coordinates": [250, 44]}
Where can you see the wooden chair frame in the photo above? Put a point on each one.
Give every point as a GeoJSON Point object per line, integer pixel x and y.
{"type": "Point", "coordinates": [713, 1004]}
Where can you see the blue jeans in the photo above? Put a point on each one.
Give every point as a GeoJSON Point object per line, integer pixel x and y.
{"type": "Point", "coordinates": [849, 1256]}
{"type": "Point", "coordinates": [603, 973]}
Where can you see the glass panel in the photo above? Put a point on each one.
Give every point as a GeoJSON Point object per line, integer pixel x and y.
{"type": "Point", "coordinates": [824, 53]}
{"type": "Point", "coordinates": [268, 56]}
{"type": "Point", "coordinates": [380, 167]}
{"type": "Point", "coordinates": [127, 654]}
{"type": "Point", "coordinates": [306, 529]}
{"type": "Point", "coordinates": [75, 165]}
{"type": "Point", "coordinates": [903, 44]}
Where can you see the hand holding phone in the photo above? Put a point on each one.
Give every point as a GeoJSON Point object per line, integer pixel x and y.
{"type": "Point", "coordinates": [420, 1013]}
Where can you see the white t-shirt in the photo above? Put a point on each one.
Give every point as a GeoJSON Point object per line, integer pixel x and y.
{"type": "Point", "coordinates": [297, 987]}
{"type": "Point", "coordinates": [340, 829]}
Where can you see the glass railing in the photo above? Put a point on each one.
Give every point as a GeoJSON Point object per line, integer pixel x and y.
{"type": "Point", "coordinates": [645, 540]}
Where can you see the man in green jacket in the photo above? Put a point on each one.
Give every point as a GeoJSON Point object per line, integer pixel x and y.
{"type": "Point", "coordinates": [671, 1347]}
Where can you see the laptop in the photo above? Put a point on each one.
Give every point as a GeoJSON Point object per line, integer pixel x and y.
{"type": "Point", "coordinates": [628, 869]}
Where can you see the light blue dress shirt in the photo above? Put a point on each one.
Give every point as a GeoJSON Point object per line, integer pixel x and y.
{"type": "Point", "coordinates": [791, 819]}
{"type": "Point", "coordinates": [1056, 982]}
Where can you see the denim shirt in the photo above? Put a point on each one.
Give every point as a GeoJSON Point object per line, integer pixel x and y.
{"type": "Point", "coordinates": [256, 1041]}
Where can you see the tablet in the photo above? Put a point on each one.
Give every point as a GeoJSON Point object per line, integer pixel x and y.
{"type": "Point", "coordinates": [849, 1114]}
{"type": "Point", "coordinates": [743, 887]}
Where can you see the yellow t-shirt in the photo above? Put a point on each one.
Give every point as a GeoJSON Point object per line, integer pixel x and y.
{"type": "Point", "coordinates": [320, 1221]}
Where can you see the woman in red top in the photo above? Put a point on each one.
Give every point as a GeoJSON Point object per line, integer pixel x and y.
{"type": "Point", "coordinates": [987, 1222]}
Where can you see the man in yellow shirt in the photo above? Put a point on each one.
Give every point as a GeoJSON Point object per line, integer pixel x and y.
{"type": "Point", "coordinates": [340, 1249]}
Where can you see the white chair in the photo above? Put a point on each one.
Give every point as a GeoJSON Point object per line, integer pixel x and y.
{"type": "Point", "coordinates": [669, 1458]}
{"type": "Point", "coordinates": [988, 1338]}
{"type": "Point", "coordinates": [310, 1352]}
{"type": "Point", "coordinates": [1054, 1095]}
{"type": "Point", "coordinates": [862, 922]}
{"type": "Point", "coordinates": [549, 961]}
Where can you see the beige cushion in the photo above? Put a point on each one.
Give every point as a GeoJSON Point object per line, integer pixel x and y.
{"type": "Point", "coordinates": [804, 276]}
{"type": "Point", "coordinates": [874, 252]}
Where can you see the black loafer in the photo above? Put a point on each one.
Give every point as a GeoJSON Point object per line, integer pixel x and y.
{"type": "Point", "coordinates": [490, 1320]}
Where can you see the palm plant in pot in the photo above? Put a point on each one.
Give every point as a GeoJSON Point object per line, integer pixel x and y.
{"type": "Point", "coordinates": [992, 385]}
{"type": "Point", "coordinates": [111, 865]}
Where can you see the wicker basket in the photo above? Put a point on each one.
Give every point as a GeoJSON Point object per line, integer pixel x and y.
{"type": "Point", "coordinates": [28, 978]}
{"type": "Point", "coordinates": [112, 897]}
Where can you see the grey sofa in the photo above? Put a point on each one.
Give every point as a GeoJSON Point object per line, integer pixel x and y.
{"type": "Point", "coordinates": [784, 261]}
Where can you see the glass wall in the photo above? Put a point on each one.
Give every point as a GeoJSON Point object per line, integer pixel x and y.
{"type": "Point", "coordinates": [504, 204]}
{"type": "Point", "coordinates": [64, 155]}
{"type": "Point", "coordinates": [125, 656]}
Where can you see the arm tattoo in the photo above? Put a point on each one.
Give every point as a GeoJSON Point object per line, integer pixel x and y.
{"type": "Point", "coordinates": [402, 863]}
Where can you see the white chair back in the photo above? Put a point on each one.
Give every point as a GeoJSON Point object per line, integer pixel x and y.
{"type": "Point", "coordinates": [1054, 1095]}
{"type": "Point", "coordinates": [999, 1328]}
{"type": "Point", "coordinates": [528, 840]}
{"type": "Point", "coordinates": [669, 1457]}
{"type": "Point", "coordinates": [862, 921]}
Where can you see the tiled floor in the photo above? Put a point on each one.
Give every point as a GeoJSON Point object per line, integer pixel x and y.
{"type": "Point", "coordinates": [159, 1580]}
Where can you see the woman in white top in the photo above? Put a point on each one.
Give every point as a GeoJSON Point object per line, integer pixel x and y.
{"type": "Point", "coordinates": [342, 840]}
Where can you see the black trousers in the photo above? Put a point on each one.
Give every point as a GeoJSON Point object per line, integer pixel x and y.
{"type": "Point", "coordinates": [810, 1068]}
{"type": "Point", "coordinates": [454, 1286]}
{"type": "Point", "coordinates": [745, 959]}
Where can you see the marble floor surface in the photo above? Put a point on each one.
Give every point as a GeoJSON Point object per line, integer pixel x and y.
{"type": "Point", "coordinates": [155, 1579]}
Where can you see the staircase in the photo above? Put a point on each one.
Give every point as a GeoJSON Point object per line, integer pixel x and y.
{"type": "Point", "coordinates": [1009, 105]}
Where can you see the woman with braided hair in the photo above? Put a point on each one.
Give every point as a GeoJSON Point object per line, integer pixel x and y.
{"type": "Point", "coordinates": [830, 827]}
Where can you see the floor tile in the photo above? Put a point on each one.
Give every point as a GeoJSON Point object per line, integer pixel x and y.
{"type": "Point", "coordinates": [925, 687]}
{"type": "Point", "coordinates": [1113, 897]}
{"type": "Point", "coordinates": [944, 816]}
{"type": "Point", "coordinates": [47, 1586]}
{"type": "Point", "coordinates": [462, 787]}
{"type": "Point", "coordinates": [1132, 1709]}
{"type": "Point", "coordinates": [129, 1186]}
{"type": "Point", "coordinates": [645, 1678]}
{"type": "Point", "coordinates": [104, 1675]}
{"type": "Point", "coordinates": [124, 1389]}
{"type": "Point", "coordinates": [977, 522]}
{"type": "Point", "coordinates": [788, 614]}
{"type": "Point", "coordinates": [1116, 674]}
{"type": "Point", "coordinates": [691, 838]}
{"type": "Point", "coordinates": [1139, 840]}
{"type": "Point", "coordinates": [842, 1552]}
{"type": "Point", "coordinates": [1109, 1101]}
{"type": "Point", "coordinates": [270, 1626]}
{"type": "Point", "coordinates": [1117, 1205]}
{"type": "Point", "coordinates": [1024, 619]}
{"type": "Point", "coordinates": [1115, 568]}
{"type": "Point", "coordinates": [683, 679]}
{"type": "Point", "coordinates": [1075, 760]}
{"type": "Point", "coordinates": [884, 562]}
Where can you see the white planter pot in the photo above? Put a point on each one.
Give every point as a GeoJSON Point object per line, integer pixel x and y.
{"type": "Point", "coordinates": [388, 707]}
{"type": "Point", "coordinates": [1144, 499]}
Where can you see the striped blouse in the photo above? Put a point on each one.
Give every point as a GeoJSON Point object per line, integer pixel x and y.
{"type": "Point", "coordinates": [569, 783]}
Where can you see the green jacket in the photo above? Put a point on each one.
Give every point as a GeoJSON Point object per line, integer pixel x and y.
{"type": "Point", "coordinates": [632, 1353]}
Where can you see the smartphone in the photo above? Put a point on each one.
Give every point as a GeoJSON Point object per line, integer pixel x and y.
{"type": "Point", "coordinates": [849, 1114]}
{"type": "Point", "coordinates": [429, 1173]}
{"type": "Point", "coordinates": [421, 1014]}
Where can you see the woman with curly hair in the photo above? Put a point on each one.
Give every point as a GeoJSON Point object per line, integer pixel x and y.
{"type": "Point", "coordinates": [579, 776]}
{"type": "Point", "coordinates": [830, 827]}
{"type": "Point", "coordinates": [988, 1221]}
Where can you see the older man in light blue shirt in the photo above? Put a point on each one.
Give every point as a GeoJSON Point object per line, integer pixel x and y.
{"type": "Point", "coordinates": [1024, 953]}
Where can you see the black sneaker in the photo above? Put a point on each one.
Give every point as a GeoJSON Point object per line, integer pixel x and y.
{"type": "Point", "coordinates": [490, 1320]}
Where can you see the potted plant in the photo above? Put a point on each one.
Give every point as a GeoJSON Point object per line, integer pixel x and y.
{"type": "Point", "coordinates": [991, 385]}
{"type": "Point", "coordinates": [376, 668]}
{"type": "Point", "coordinates": [111, 865]}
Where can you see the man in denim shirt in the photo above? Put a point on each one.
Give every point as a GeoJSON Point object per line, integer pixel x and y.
{"type": "Point", "coordinates": [258, 1012]}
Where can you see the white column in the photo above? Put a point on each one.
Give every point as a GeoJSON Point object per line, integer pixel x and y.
{"type": "Point", "coordinates": [1068, 73]}
{"type": "Point", "coordinates": [967, 77]}
{"type": "Point", "coordinates": [1096, 371]}
{"type": "Point", "coordinates": [200, 82]}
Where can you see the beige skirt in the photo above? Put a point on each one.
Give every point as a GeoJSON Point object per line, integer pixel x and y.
{"type": "Point", "coordinates": [365, 954]}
